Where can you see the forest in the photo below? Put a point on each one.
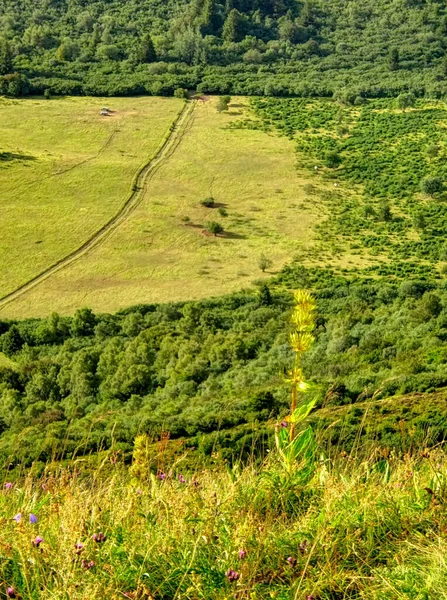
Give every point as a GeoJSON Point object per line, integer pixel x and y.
{"type": "Point", "coordinates": [261, 47]}
{"type": "Point", "coordinates": [212, 371]}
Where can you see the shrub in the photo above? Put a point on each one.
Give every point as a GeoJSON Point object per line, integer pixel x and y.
{"type": "Point", "coordinates": [214, 228]}
{"type": "Point", "coordinates": [208, 202]}
{"type": "Point", "coordinates": [431, 185]}
{"type": "Point", "coordinates": [181, 93]}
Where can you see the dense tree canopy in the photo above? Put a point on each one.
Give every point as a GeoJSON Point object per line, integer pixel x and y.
{"type": "Point", "coordinates": [271, 47]}
{"type": "Point", "coordinates": [192, 369]}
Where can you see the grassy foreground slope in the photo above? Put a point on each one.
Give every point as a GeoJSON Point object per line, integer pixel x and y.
{"type": "Point", "coordinates": [370, 530]}
{"type": "Point", "coordinates": [163, 251]}
{"type": "Point", "coordinates": [65, 171]}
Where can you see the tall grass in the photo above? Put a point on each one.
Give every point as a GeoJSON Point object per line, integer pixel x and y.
{"type": "Point", "coordinates": [374, 529]}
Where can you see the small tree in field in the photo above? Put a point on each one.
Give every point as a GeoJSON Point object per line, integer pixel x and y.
{"type": "Point", "coordinates": [223, 103]}
{"type": "Point", "coordinates": [214, 228]}
{"type": "Point", "coordinates": [431, 185]}
{"type": "Point", "coordinates": [264, 263]}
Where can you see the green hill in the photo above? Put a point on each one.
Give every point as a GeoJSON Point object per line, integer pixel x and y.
{"type": "Point", "coordinates": [271, 47]}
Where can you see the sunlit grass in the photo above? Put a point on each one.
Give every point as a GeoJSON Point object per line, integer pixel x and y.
{"type": "Point", "coordinates": [375, 529]}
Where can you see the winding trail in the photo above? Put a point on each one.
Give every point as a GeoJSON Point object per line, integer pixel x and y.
{"type": "Point", "coordinates": [177, 131]}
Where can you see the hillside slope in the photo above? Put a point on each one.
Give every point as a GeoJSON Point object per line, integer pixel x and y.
{"type": "Point", "coordinates": [272, 47]}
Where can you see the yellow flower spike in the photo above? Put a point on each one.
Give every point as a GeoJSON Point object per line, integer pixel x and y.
{"type": "Point", "coordinates": [301, 339]}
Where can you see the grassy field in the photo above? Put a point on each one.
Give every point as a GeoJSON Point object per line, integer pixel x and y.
{"type": "Point", "coordinates": [369, 530]}
{"type": "Point", "coordinates": [65, 170]}
{"type": "Point", "coordinates": [162, 252]}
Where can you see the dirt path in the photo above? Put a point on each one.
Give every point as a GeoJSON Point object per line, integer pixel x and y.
{"type": "Point", "coordinates": [177, 130]}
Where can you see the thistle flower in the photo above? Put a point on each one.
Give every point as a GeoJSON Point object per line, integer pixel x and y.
{"type": "Point", "coordinates": [232, 575]}
{"type": "Point", "coordinates": [79, 547]}
{"type": "Point", "coordinates": [242, 554]}
{"type": "Point", "coordinates": [161, 475]}
{"type": "Point", "coordinates": [86, 564]}
{"type": "Point", "coordinates": [181, 479]}
{"type": "Point", "coordinates": [32, 519]}
{"type": "Point", "coordinates": [8, 486]}
{"type": "Point", "coordinates": [292, 561]}
{"type": "Point", "coordinates": [284, 424]}
{"type": "Point", "coordinates": [17, 518]}
{"type": "Point", "coordinates": [99, 537]}
{"type": "Point", "coordinates": [37, 541]}
{"type": "Point", "coordinates": [11, 593]}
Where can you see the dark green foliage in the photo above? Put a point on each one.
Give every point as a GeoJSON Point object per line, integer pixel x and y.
{"type": "Point", "coordinates": [76, 383]}
{"type": "Point", "coordinates": [214, 227]}
{"type": "Point", "coordinates": [223, 103]}
{"type": "Point", "coordinates": [208, 202]}
{"type": "Point", "coordinates": [5, 57]}
{"type": "Point", "coordinates": [279, 48]}
{"type": "Point", "coordinates": [181, 93]}
{"type": "Point", "coordinates": [431, 185]}
{"type": "Point", "coordinates": [146, 52]}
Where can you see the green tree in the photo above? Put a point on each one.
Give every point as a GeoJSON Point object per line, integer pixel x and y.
{"type": "Point", "coordinates": [181, 93]}
{"type": "Point", "coordinates": [214, 227]}
{"type": "Point", "coordinates": [264, 263]}
{"type": "Point", "coordinates": [406, 101]}
{"type": "Point", "coordinates": [211, 21]}
{"type": "Point", "coordinates": [233, 26]}
{"type": "Point", "coordinates": [265, 296]}
{"type": "Point", "coordinates": [12, 341]}
{"type": "Point", "coordinates": [5, 57]}
{"type": "Point", "coordinates": [67, 51]}
{"type": "Point", "coordinates": [223, 103]}
{"type": "Point", "coordinates": [431, 185]}
{"type": "Point", "coordinates": [146, 52]}
{"type": "Point", "coordinates": [83, 323]}
{"type": "Point", "coordinates": [393, 59]}
{"type": "Point", "coordinates": [384, 213]}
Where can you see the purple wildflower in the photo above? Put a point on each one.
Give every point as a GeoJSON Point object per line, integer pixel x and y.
{"type": "Point", "coordinates": [232, 575]}
{"type": "Point", "coordinates": [10, 592]}
{"type": "Point", "coordinates": [161, 475]}
{"type": "Point", "coordinates": [8, 486]}
{"type": "Point", "coordinates": [32, 519]}
{"type": "Point", "coordinates": [99, 537]}
{"type": "Point", "coordinates": [292, 561]}
{"type": "Point", "coordinates": [86, 564]}
{"type": "Point", "coordinates": [37, 541]}
{"type": "Point", "coordinates": [242, 554]}
{"type": "Point", "coordinates": [284, 424]}
{"type": "Point", "coordinates": [181, 479]}
{"type": "Point", "coordinates": [138, 492]}
{"type": "Point", "coordinates": [79, 547]}
{"type": "Point", "coordinates": [17, 518]}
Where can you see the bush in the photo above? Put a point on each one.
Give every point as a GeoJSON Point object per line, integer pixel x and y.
{"type": "Point", "coordinates": [181, 93]}
{"type": "Point", "coordinates": [431, 185]}
{"type": "Point", "coordinates": [208, 202]}
{"type": "Point", "coordinates": [214, 228]}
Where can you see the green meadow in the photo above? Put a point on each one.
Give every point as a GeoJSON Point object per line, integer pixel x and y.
{"type": "Point", "coordinates": [65, 171]}
{"type": "Point", "coordinates": [163, 251]}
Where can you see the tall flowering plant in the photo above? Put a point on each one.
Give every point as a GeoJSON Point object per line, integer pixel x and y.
{"type": "Point", "coordinates": [295, 442]}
